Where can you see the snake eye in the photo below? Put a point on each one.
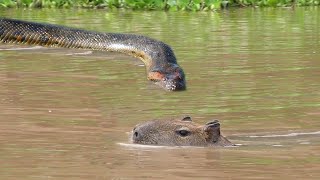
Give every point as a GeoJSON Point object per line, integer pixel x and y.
{"type": "Point", "coordinates": [183, 132]}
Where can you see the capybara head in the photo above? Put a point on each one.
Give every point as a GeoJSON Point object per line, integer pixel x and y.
{"type": "Point", "coordinates": [181, 132]}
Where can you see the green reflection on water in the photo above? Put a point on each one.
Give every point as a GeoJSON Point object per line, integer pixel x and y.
{"type": "Point", "coordinates": [242, 61]}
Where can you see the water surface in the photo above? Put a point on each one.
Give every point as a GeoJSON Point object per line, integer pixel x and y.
{"type": "Point", "coordinates": [65, 114]}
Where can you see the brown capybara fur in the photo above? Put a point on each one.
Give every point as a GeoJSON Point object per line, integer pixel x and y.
{"type": "Point", "coordinates": [179, 132]}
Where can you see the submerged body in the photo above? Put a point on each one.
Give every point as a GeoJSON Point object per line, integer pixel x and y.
{"type": "Point", "coordinates": [181, 132]}
{"type": "Point", "coordinates": [160, 61]}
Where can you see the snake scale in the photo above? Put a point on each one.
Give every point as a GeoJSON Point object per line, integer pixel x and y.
{"type": "Point", "coordinates": [161, 64]}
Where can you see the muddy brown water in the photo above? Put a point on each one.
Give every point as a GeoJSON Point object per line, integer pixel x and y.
{"type": "Point", "coordinates": [65, 114]}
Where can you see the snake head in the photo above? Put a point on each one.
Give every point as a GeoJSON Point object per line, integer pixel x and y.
{"type": "Point", "coordinates": [171, 78]}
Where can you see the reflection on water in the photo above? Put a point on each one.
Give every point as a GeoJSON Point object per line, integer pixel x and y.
{"type": "Point", "coordinates": [288, 135]}
{"type": "Point", "coordinates": [63, 112]}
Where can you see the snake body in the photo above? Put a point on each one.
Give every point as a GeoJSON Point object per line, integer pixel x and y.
{"type": "Point", "coordinates": [158, 57]}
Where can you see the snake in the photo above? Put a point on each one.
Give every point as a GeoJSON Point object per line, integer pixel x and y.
{"type": "Point", "coordinates": [159, 59]}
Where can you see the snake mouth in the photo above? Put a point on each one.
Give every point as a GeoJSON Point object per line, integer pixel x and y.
{"type": "Point", "coordinates": [170, 84]}
{"type": "Point", "coordinates": [173, 81]}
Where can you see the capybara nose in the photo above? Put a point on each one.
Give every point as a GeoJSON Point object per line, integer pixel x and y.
{"type": "Point", "coordinates": [136, 135]}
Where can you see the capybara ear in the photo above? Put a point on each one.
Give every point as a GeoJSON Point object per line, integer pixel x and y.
{"type": "Point", "coordinates": [215, 122]}
{"type": "Point", "coordinates": [212, 129]}
{"type": "Point", "coordinates": [186, 118]}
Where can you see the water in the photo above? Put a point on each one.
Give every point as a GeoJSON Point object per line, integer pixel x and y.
{"type": "Point", "coordinates": [66, 114]}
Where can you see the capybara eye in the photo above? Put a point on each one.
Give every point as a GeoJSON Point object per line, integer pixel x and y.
{"type": "Point", "coordinates": [183, 133]}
